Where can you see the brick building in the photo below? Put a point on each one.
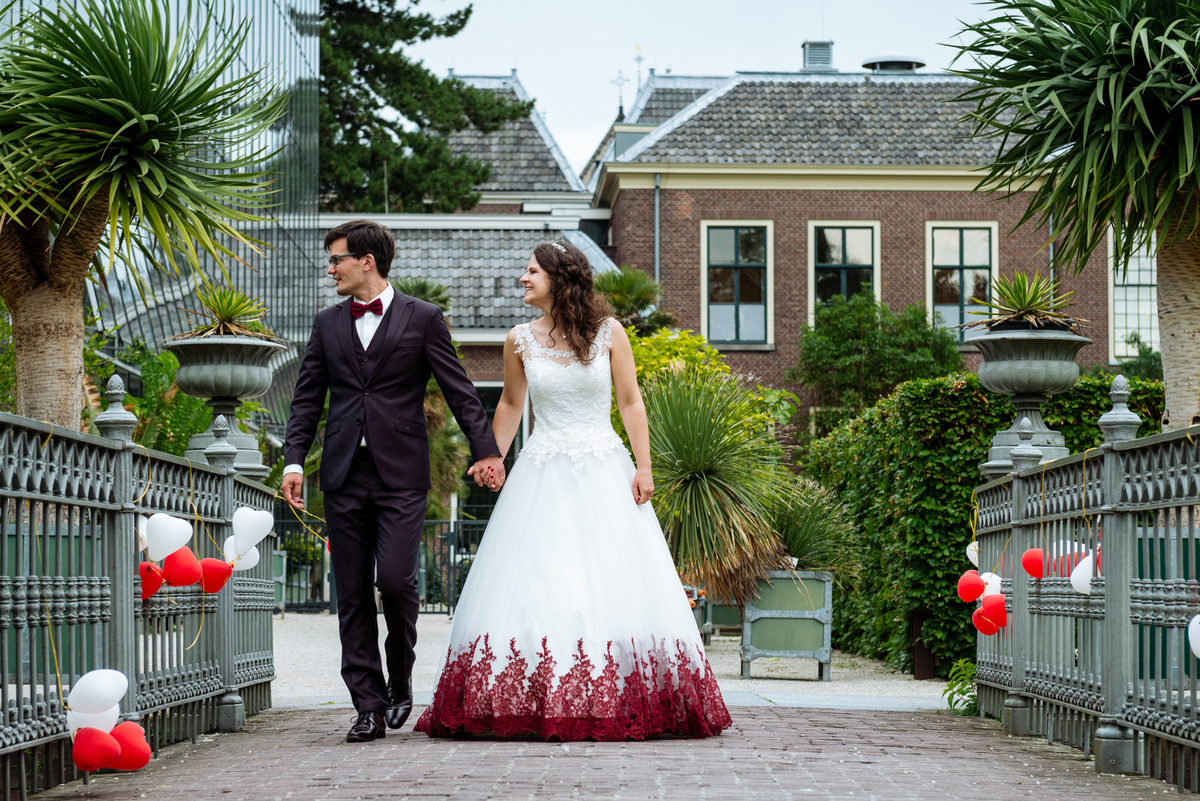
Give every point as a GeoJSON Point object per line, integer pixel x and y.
{"type": "Point", "coordinates": [754, 198]}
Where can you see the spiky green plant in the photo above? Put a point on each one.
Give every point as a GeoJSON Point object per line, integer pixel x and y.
{"type": "Point", "coordinates": [1095, 108]}
{"type": "Point", "coordinates": [716, 475]}
{"type": "Point", "coordinates": [118, 121]}
{"type": "Point", "coordinates": [1031, 298]}
{"type": "Point", "coordinates": [227, 312]}
{"type": "Point", "coordinates": [815, 527]}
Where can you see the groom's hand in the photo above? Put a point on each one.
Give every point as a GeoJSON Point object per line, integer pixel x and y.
{"type": "Point", "coordinates": [291, 488]}
{"type": "Point", "coordinates": [488, 472]}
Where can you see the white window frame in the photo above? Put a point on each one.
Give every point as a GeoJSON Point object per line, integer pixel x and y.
{"type": "Point", "coordinates": [993, 226]}
{"type": "Point", "coordinates": [770, 299]}
{"type": "Point", "coordinates": [1112, 299]}
{"type": "Point", "coordinates": [876, 257]}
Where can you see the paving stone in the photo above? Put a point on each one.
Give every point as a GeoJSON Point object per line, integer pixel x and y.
{"type": "Point", "coordinates": [769, 753]}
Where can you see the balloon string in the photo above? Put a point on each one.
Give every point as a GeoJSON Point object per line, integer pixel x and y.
{"type": "Point", "coordinates": [310, 530]}
{"type": "Point", "coordinates": [149, 473]}
{"type": "Point", "coordinates": [203, 595]}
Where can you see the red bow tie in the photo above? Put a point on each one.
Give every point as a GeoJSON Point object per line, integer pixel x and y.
{"type": "Point", "coordinates": [359, 309]}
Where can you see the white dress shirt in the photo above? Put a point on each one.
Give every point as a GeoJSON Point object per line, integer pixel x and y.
{"type": "Point", "coordinates": [365, 326]}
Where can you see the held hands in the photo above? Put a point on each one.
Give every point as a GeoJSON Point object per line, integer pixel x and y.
{"type": "Point", "coordinates": [291, 487]}
{"type": "Point", "coordinates": [488, 472]}
{"type": "Point", "coordinates": [643, 485]}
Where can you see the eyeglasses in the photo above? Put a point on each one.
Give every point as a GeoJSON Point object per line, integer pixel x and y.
{"type": "Point", "coordinates": [334, 260]}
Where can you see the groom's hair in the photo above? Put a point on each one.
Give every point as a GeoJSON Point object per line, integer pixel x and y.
{"type": "Point", "coordinates": [363, 237]}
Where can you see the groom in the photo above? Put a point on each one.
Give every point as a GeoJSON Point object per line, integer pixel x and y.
{"type": "Point", "coordinates": [373, 355]}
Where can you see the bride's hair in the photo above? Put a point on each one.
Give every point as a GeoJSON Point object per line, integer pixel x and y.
{"type": "Point", "coordinates": [578, 310]}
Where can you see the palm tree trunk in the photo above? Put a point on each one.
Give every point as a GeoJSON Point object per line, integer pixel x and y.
{"type": "Point", "coordinates": [44, 291]}
{"type": "Point", "coordinates": [1179, 327]}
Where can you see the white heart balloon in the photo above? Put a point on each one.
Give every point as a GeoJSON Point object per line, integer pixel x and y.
{"type": "Point", "coordinates": [97, 691]}
{"type": "Point", "coordinates": [165, 535]}
{"type": "Point", "coordinates": [1081, 576]}
{"type": "Point", "coordinates": [104, 721]}
{"type": "Point", "coordinates": [1193, 630]}
{"type": "Point", "coordinates": [973, 553]}
{"type": "Point", "coordinates": [240, 562]}
{"type": "Point", "coordinates": [991, 584]}
{"type": "Point", "coordinates": [250, 526]}
{"type": "Point", "coordinates": [142, 523]}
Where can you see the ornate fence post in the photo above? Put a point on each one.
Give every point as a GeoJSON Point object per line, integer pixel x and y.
{"type": "Point", "coordinates": [1016, 715]}
{"type": "Point", "coordinates": [120, 550]}
{"type": "Point", "coordinates": [1114, 742]}
{"type": "Point", "coordinates": [231, 709]}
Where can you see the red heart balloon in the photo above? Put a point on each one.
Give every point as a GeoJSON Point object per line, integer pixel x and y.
{"type": "Point", "coordinates": [994, 611]}
{"type": "Point", "coordinates": [94, 749]}
{"type": "Point", "coordinates": [984, 625]}
{"type": "Point", "coordinates": [182, 568]}
{"type": "Point", "coordinates": [1034, 562]}
{"type": "Point", "coordinates": [216, 573]}
{"type": "Point", "coordinates": [970, 586]}
{"type": "Point", "coordinates": [135, 751]}
{"type": "Point", "coordinates": [152, 578]}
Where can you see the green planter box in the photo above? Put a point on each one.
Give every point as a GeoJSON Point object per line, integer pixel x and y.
{"type": "Point", "coordinates": [790, 618]}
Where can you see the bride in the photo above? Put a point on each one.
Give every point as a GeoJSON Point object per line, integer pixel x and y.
{"type": "Point", "coordinates": [572, 623]}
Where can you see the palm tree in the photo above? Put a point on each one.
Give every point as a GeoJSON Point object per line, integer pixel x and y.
{"type": "Point", "coordinates": [1096, 108]}
{"type": "Point", "coordinates": [117, 122]}
{"type": "Point", "coordinates": [634, 298]}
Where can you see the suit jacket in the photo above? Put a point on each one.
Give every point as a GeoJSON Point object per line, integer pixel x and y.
{"type": "Point", "coordinates": [387, 406]}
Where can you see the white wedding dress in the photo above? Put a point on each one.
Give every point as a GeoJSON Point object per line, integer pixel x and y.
{"type": "Point", "coordinates": [573, 623]}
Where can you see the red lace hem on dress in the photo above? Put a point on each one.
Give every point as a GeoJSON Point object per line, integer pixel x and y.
{"type": "Point", "coordinates": [660, 693]}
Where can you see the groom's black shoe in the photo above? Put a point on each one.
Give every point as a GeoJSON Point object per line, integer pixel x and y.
{"type": "Point", "coordinates": [368, 726]}
{"type": "Point", "coordinates": [399, 705]}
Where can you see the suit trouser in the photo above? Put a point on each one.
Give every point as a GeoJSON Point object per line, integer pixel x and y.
{"type": "Point", "coordinates": [374, 539]}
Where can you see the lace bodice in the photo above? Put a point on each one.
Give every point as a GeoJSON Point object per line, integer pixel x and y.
{"type": "Point", "coordinates": [571, 400]}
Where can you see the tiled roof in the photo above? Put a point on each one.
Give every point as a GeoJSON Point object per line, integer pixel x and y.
{"type": "Point", "coordinates": [523, 155]}
{"type": "Point", "coordinates": [666, 103]}
{"type": "Point", "coordinates": [663, 96]}
{"type": "Point", "coordinates": [821, 119]}
{"type": "Point", "coordinates": [480, 267]}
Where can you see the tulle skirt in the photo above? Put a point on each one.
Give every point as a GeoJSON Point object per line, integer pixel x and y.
{"type": "Point", "coordinates": [573, 623]}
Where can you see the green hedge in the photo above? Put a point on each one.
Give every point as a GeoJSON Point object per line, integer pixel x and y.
{"type": "Point", "coordinates": [906, 469]}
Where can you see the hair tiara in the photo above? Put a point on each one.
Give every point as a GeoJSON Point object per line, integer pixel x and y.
{"type": "Point", "coordinates": [558, 247]}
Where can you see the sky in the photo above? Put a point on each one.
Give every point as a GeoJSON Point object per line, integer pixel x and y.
{"type": "Point", "coordinates": [567, 53]}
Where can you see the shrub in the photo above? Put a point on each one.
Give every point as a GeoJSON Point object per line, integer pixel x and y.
{"type": "Point", "coordinates": [906, 470]}
{"type": "Point", "coordinates": [859, 351]}
{"type": "Point", "coordinates": [634, 297]}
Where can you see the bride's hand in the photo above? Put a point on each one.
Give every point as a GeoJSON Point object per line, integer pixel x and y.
{"type": "Point", "coordinates": [643, 485]}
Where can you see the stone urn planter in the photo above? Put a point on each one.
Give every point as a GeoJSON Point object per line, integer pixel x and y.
{"type": "Point", "coordinates": [1030, 364]}
{"type": "Point", "coordinates": [226, 370]}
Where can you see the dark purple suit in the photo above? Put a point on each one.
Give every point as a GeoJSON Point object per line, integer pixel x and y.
{"type": "Point", "coordinates": [375, 496]}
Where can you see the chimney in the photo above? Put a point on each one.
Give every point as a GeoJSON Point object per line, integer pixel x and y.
{"type": "Point", "coordinates": [818, 56]}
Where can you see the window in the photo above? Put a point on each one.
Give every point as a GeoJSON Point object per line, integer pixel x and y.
{"type": "Point", "coordinates": [737, 283]}
{"type": "Point", "coordinates": [1134, 305]}
{"type": "Point", "coordinates": [843, 260]}
{"type": "Point", "coordinates": [962, 261]}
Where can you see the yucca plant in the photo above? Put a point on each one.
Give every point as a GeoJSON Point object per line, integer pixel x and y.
{"type": "Point", "coordinates": [815, 527]}
{"type": "Point", "coordinates": [1029, 298]}
{"type": "Point", "coordinates": [716, 473]}
{"type": "Point", "coordinates": [118, 121]}
{"type": "Point", "coordinates": [1095, 109]}
{"type": "Point", "coordinates": [225, 311]}
{"type": "Point", "coordinates": [634, 298]}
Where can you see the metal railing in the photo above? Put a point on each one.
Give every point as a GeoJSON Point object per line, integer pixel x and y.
{"type": "Point", "coordinates": [447, 552]}
{"type": "Point", "coordinates": [70, 600]}
{"type": "Point", "coordinates": [1110, 672]}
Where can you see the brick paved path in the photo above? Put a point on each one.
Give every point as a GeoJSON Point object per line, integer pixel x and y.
{"type": "Point", "coordinates": [770, 753]}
